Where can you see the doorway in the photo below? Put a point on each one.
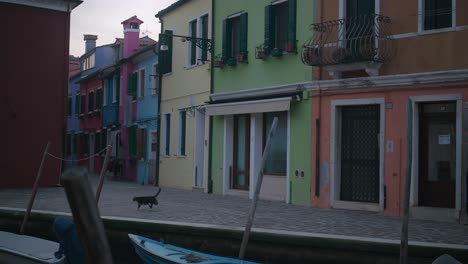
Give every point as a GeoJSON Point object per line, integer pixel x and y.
{"type": "Point", "coordinates": [241, 154]}
{"type": "Point", "coordinates": [437, 154]}
{"type": "Point", "coordinates": [199, 147]}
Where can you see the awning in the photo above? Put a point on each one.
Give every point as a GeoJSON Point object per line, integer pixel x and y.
{"type": "Point", "coordinates": [247, 107]}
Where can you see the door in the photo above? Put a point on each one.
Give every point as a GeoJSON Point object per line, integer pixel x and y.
{"type": "Point", "coordinates": [241, 155]}
{"type": "Point", "coordinates": [199, 147]}
{"type": "Point", "coordinates": [91, 153]}
{"type": "Point", "coordinates": [437, 154]}
{"type": "Point", "coordinates": [360, 159]}
{"type": "Point", "coordinates": [359, 29]}
{"type": "Point", "coordinates": [153, 147]}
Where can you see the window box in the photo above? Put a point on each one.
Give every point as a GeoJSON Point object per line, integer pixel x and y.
{"type": "Point", "coordinates": [231, 62]}
{"type": "Point", "coordinates": [276, 52]}
{"type": "Point", "coordinates": [260, 52]}
{"type": "Point", "coordinates": [242, 58]}
{"type": "Point", "coordinates": [218, 62]}
{"type": "Point", "coordinates": [311, 54]}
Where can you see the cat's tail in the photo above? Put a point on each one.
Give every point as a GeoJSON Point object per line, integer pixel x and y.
{"type": "Point", "coordinates": [156, 195]}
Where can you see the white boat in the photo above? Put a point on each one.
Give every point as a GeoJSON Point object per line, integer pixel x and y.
{"type": "Point", "coordinates": [21, 249]}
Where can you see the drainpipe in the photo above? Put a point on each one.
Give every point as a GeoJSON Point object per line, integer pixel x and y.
{"type": "Point", "coordinates": [210, 137]}
{"type": "Point", "coordinates": [317, 124]}
{"type": "Point", "coordinates": [158, 118]}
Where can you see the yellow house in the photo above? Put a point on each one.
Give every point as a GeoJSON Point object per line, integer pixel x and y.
{"type": "Point", "coordinates": [185, 87]}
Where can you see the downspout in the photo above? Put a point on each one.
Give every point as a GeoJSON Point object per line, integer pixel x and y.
{"type": "Point", "coordinates": [158, 118]}
{"type": "Point", "coordinates": [210, 137]}
{"type": "Point", "coordinates": [317, 123]}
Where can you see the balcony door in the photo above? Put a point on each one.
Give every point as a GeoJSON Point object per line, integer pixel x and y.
{"type": "Point", "coordinates": [360, 29]}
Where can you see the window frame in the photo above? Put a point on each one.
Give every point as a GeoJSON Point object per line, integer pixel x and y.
{"type": "Point", "coordinates": [200, 56]}
{"type": "Point", "coordinates": [264, 139]}
{"type": "Point", "coordinates": [421, 21]}
{"type": "Point", "coordinates": [98, 107]}
{"type": "Point", "coordinates": [191, 47]}
{"type": "Point", "coordinates": [284, 4]}
{"type": "Point", "coordinates": [90, 105]}
{"type": "Point", "coordinates": [70, 106]}
{"type": "Point", "coordinates": [155, 79]}
{"type": "Point", "coordinates": [105, 92]}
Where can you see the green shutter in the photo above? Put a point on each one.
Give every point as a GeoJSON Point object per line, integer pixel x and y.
{"type": "Point", "coordinates": [205, 36]}
{"type": "Point", "coordinates": [77, 104]}
{"type": "Point", "coordinates": [292, 11]}
{"type": "Point", "coordinates": [165, 57]}
{"type": "Point", "coordinates": [132, 84]}
{"type": "Point", "coordinates": [132, 146]}
{"type": "Point", "coordinates": [243, 34]}
{"type": "Point", "coordinates": [269, 29]}
{"type": "Point", "coordinates": [227, 40]}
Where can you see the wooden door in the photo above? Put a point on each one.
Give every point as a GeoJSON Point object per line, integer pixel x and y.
{"type": "Point", "coordinates": [241, 162]}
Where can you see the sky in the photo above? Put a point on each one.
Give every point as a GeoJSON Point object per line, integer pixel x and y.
{"type": "Point", "coordinates": [103, 18]}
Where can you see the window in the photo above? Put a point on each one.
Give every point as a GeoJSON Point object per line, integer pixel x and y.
{"type": "Point", "coordinates": [75, 144]}
{"type": "Point", "coordinates": [182, 131]}
{"type": "Point", "coordinates": [204, 35]}
{"type": "Point", "coordinates": [90, 102]}
{"type": "Point", "coordinates": [437, 14]}
{"type": "Point", "coordinates": [77, 104]}
{"type": "Point", "coordinates": [280, 26]}
{"type": "Point", "coordinates": [277, 156]}
{"type": "Point", "coordinates": [83, 104]}
{"type": "Point", "coordinates": [155, 87]}
{"type": "Point", "coordinates": [134, 25]}
{"type": "Point", "coordinates": [97, 142]}
{"type": "Point", "coordinates": [132, 84]}
{"type": "Point", "coordinates": [86, 144]}
{"type": "Point", "coordinates": [141, 83]}
{"type": "Point", "coordinates": [89, 62]}
{"type": "Point", "coordinates": [141, 137]}
{"type": "Point", "coordinates": [235, 39]}
{"type": "Point", "coordinates": [193, 47]}
{"type": "Point", "coordinates": [98, 99]}
{"type": "Point", "coordinates": [69, 144]}
{"type": "Point", "coordinates": [132, 144]}
{"type": "Point", "coordinates": [70, 105]}
{"type": "Point", "coordinates": [106, 92]}
{"type": "Point", "coordinates": [167, 134]}
{"type": "Point", "coordinates": [165, 56]}
{"type": "Point", "coordinates": [104, 139]}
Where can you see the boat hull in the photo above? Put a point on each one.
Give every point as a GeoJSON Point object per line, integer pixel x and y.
{"type": "Point", "coordinates": [155, 252]}
{"type": "Point", "coordinates": [20, 249]}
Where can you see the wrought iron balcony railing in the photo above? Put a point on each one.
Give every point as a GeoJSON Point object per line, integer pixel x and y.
{"type": "Point", "coordinates": [349, 40]}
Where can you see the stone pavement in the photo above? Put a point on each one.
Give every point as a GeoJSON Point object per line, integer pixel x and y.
{"type": "Point", "coordinates": [196, 207]}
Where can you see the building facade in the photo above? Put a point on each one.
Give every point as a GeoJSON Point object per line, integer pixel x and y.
{"type": "Point", "coordinates": [395, 70]}
{"type": "Point", "coordinates": [258, 75]}
{"type": "Point", "coordinates": [35, 94]}
{"type": "Point", "coordinates": [185, 87]}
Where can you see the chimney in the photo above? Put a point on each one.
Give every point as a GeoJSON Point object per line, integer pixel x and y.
{"type": "Point", "coordinates": [90, 42]}
{"type": "Point", "coordinates": [131, 28]}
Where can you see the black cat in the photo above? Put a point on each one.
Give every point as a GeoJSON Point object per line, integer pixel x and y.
{"type": "Point", "coordinates": [147, 200]}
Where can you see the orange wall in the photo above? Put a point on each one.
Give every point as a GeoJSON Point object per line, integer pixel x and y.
{"type": "Point", "coordinates": [415, 52]}
{"type": "Point", "coordinates": [395, 130]}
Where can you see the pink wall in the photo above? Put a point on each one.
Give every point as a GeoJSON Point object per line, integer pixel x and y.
{"type": "Point", "coordinates": [395, 130]}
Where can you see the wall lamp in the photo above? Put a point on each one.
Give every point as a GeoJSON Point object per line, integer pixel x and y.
{"type": "Point", "coordinates": [204, 44]}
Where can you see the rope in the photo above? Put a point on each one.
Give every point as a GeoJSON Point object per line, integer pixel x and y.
{"type": "Point", "coordinates": [72, 160]}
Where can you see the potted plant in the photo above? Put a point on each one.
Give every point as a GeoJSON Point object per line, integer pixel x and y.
{"type": "Point", "coordinates": [242, 58]}
{"type": "Point", "coordinates": [276, 52]}
{"type": "Point", "coordinates": [218, 61]}
{"type": "Point", "coordinates": [231, 62]}
{"type": "Point", "coordinates": [260, 52]}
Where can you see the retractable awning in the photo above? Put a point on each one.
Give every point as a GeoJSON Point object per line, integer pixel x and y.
{"type": "Point", "coordinates": [247, 107]}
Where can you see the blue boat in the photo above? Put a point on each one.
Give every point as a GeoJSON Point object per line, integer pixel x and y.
{"type": "Point", "coordinates": [154, 252]}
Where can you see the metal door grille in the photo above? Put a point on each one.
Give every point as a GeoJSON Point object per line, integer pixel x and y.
{"type": "Point", "coordinates": [360, 128]}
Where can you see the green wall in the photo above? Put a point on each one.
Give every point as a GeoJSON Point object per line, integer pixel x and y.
{"type": "Point", "coordinates": [268, 72]}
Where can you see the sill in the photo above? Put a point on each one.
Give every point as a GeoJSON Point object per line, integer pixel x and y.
{"type": "Point", "coordinates": [188, 67]}
{"type": "Point", "coordinates": [114, 101]}
{"type": "Point", "coordinates": [167, 74]}
{"type": "Point", "coordinates": [181, 156]}
{"type": "Point", "coordinates": [437, 30]}
{"type": "Point", "coordinates": [140, 98]}
{"type": "Point", "coordinates": [235, 192]}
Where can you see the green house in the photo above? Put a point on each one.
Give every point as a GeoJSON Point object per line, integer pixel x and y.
{"type": "Point", "coordinates": [258, 75]}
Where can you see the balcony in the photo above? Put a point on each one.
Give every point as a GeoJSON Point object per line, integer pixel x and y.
{"type": "Point", "coordinates": [353, 43]}
{"type": "Point", "coordinates": [110, 115]}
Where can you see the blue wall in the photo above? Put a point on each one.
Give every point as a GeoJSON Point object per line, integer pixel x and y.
{"type": "Point", "coordinates": [147, 113]}
{"type": "Point", "coordinates": [111, 109]}
{"type": "Point", "coordinates": [73, 126]}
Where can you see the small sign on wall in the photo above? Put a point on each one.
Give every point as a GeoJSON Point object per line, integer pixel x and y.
{"type": "Point", "coordinates": [444, 139]}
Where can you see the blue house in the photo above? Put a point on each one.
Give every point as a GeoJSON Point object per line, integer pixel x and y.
{"type": "Point", "coordinates": [73, 127]}
{"type": "Point", "coordinates": [147, 113]}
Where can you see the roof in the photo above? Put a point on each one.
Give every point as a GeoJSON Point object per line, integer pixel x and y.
{"type": "Point", "coordinates": [171, 8]}
{"type": "Point", "coordinates": [133, 17]}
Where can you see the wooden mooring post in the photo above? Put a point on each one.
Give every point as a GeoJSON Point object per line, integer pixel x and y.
{"type": "Point", "coordinates": [103, 172]}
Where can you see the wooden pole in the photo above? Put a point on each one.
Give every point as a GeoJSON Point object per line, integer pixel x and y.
{"type": "Point", "coordinates": [103, 172]}
{"type": "Point", "coordinates": [409, 153]}
{"type": "Point", "coordinates": [258, 185]}
{"type": "Point", "coordinates": [86, 216]}
{"type": "Point", "coordinates": [34, 190]}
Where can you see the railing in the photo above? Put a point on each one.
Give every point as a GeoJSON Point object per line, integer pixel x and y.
{"type": "Point", "coordinates": [110, 115]}
{"type": "Point", "coordinates": [349, 40]}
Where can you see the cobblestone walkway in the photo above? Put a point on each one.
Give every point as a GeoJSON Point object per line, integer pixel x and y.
{"type": "Point", "coordinates": [197, 207]}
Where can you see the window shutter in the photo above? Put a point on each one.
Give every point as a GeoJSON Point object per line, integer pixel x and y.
{"type": "Point", "coordinates": [97, 142]}
{"type": "Point", "coordinates": [204, 56]}
{"type": "Point", "coordinates": [269, 29]}
{"type": "Point", "coordinates": [227, 39]}
{"type": "Point", "coordinates": [104, 139]}
{"type": "Point", "coordinates": [165, 57]}
{"type": "Point", "coordinates": [132, 84]}
{"type": "Point", "coordinates": [243, 34]}
{"type": "Point", "coordinates": [77, 104]}
{"type": "Point", "coordinates": [133, 141]}
{"type": "Point", "coordinates": [292, 11]}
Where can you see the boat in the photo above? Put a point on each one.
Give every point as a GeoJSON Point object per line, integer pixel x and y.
{"type": "Point", "coordinates": [22, 249]}
{"type": "Point", "coordinates": [155, 252]}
